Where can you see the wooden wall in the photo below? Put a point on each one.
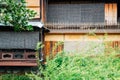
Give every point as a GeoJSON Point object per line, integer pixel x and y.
{"type": "Point", "coordinates": [38, 6]}
{"type": "Point", "coordinates": [34, 5]}
{"type": "Point", "coordinates": [111, 13]}
{"type": "Point", "coordinates": [78, 42]}
{"type": "Point", "coordinates": [52, 48]}
{"type": "Point", "coordinates": [80, 37]}
{"type": "Point", "coordinates": [52, 39]}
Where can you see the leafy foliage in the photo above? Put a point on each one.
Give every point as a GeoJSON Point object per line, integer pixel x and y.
{"type": "Point", "coordinates": [16, 14]}
{"type": "Point", "coordinates": [80, 67]}
{"type": "Point", "coordinates": [13, 77]}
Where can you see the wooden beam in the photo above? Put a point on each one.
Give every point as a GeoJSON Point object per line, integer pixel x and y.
{"type": "Point", "coordinates": [18, 62]}
{"type": "Point", "coordinates": [33, 6]}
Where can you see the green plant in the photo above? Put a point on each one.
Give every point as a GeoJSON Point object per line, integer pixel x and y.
{"type": "Point", "coordinates": [85, 65]}
{"type": "Point", "coordinates": [14, 77]}
{"type": "Point", "coordinates": [66, 66]}
{"type": "Point", "coordinates": [16, 14]}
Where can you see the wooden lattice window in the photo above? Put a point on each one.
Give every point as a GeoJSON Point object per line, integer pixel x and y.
{"type": "Point", "coordinates": [76, 13]}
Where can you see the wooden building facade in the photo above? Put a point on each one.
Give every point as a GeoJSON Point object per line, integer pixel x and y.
{"type": "Point", "coordinates": [70, 20]}
{"type": "Point", "coordinates": [73, 22]}
{"type": "Point", "coordinates": [18, 48]}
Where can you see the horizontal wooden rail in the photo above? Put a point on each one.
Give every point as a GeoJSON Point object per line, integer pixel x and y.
{"type": "Point", "coordinates": [18, 59]}
{"type": "Point", "coordinates": [17, 62]}
{"type": "Point", "coordinates": [33, 6]}
{"type": "Point", "coordinates": [83, 28]}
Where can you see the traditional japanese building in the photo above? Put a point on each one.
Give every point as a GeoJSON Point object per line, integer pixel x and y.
{"type": "Point", "coordinates": [18, 48]}
{"type": "Point", "coordinates": [75, 21]}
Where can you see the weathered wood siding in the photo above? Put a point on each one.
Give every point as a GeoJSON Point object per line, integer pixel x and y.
{"type": "Point", "coordinates": [80, 37]}
{"type": "Point", "coordinates": [52, 48]}
{"type": "Point", "coordinates": [74, 12]}
{"type": "Point", "coordinates": [111, 13]}
{"type": "Point", "coordinates": [82, 42]}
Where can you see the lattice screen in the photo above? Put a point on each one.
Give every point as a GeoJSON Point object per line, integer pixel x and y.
{"type": "Point", "coordinates": [76, 13]}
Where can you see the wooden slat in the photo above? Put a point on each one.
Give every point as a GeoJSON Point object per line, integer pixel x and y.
{"type": "Point", "coordinates": [33, 6]}
{"type": "Point", "coordinates": [106, 12]}
{"type": "Point", "coordinates": [52, 48]}
{"type": "Point", "coordinates": [116, 44]}
{"type": "Point", "coordinates": [12, 62]}
{"type": "Point", "coordinates": [112, 44]}
{"type": "Point", "coordinates": [110, 13]}
{"type": "Point", "coordinates": [115, 12]}
{"type": "Point", "coordinates": [47, 50]}
{"type": "Point", "coordinates": [17, 64]}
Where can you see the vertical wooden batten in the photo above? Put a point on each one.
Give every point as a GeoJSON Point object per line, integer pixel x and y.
{"type": "Point", "coordinates": [115, 12]}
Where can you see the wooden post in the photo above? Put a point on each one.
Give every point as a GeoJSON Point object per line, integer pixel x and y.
{"type": "Point", "coordinates": [43, 11]}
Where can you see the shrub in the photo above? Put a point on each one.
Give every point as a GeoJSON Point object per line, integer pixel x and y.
{"type": "Point", "coordinates": [80, 67]}
{"type": "Point", "coordinates": [14, 77]}
{"type": "Point", "coordinates": [15, 13]}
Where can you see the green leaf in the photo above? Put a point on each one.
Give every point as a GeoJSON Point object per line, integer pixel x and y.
{"type": "Point", "coordinates": [16, 14]}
